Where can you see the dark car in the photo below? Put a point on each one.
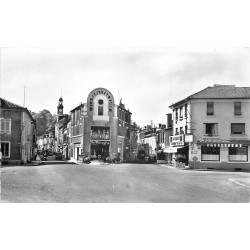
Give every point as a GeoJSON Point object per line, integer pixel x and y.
{"type": "Point", "coordinates": [58, 156]}
{"type": "Point", "coordinates": [50, 152]}
{"type": "Point", "coordinates": [152, 158]}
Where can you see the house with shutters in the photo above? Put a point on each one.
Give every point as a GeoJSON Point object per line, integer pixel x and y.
{"type": "Point", "coordinates": [18, 133]}
{"type": "Point", "coordinates": [211, 128]}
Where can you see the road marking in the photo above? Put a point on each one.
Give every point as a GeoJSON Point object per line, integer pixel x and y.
{"type": "Point", "coordinates": [239, 183]}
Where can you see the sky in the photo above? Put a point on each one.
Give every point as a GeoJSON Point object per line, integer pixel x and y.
{"type": "Point", "coordinates": [147, 79]}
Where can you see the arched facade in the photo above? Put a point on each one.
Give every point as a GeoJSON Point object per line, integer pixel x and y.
{"type": "Point", "coordinates": [105, 133]}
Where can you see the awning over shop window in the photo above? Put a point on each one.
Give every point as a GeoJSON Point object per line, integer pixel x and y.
{"type": "Point", "coordinates": [171, 149]}
{"type": "Point", "coordinates": [223, 143]}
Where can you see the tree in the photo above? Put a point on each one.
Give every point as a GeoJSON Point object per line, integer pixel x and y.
{"type": "Point", "coordinates": [45, 121]}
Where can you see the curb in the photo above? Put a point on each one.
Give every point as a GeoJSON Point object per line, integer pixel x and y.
{"type": "Point", "coordinates": [240, 183]}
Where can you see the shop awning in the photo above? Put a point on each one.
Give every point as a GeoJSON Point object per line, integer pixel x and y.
{"type": "Point", "coordinates": [171, 149]}
{"type": "Point", "coordinates": [223, 143]}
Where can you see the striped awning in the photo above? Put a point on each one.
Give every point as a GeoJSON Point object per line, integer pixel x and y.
{"type": "Point", "coordinates": [223, 143]}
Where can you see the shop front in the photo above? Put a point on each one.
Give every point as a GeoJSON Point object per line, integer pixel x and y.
{"type": "Point", "coordinates": [76, 148]}
{"type": "Point", "coordinates": [178, 151]}
{"type": "Point", "coordinates": [100, 142]}
{"type": "Point", "coordinates": [221, 154]}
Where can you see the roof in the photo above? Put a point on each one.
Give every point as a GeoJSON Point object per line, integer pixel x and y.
{"type": "Point", "coordinates": [4, 104]}
{"type": "Point", "coordinates": [219, 92]}
{"type": "Point", "coordinates": [10, 105]}
{"type": "Point", "coordinates": [64, 120]}
{"type": "Point", "coordinates": [78, 107]}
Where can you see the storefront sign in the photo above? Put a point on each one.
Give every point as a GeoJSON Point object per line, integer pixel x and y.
{"type": "Point", "coordinates": [189, 138]}
{"type": "Point", "coordinates": [176, 140]}
{"type": "Point", "coordinates": [224, 145]}
{"type": "Point", "coordinates": [97, 92]}
{"type": "Point", "coordinates": [77, 140]}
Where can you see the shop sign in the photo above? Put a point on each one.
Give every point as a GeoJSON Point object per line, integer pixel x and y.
{"type": "Point", "coordinates": [189, 138]}
{"type": "Point", "coordinates": [76, 140]}
{"type": "Point", "coordinates": [224, 145]}
{"type": "Point", "coordinates": [100, 91]}
{"type": "Point", "coordinates": [176, 140]}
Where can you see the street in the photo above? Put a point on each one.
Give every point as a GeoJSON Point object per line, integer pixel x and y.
{"type": "Point", "coordinates": [124, 183]}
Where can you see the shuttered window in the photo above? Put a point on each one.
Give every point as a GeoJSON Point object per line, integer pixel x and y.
{"type": "Point", "coordinates": [210, 108]}
{"type": "Point", "coordinates": [238, 128]}
{"type": "Point", "coordinates": [210, 128]}
{"type": "Point", "coordinates": [237, 108]}
{"type": "Point", "coordinates": [5, 126]}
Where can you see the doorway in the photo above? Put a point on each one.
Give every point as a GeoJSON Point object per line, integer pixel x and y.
{"type": "Point", "coordinates": [99, 150]}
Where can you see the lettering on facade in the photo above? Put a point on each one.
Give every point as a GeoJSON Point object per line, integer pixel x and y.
{"type": "Point", "coordinates": [224, 145]}
{"type": "Point", "coordinates": [101, 92]}
{"type": "Point", "coordinates": [176, 140]}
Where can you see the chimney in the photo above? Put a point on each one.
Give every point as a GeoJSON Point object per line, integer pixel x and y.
{"type": "Point", "coordinates": [169, 120]}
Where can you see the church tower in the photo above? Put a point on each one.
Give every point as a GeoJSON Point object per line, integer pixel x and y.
{"type": "Point", "coordinates": [60, 108]}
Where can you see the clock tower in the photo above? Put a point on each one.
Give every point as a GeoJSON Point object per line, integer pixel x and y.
{"type": "Point", "coordinates": [60, 107]}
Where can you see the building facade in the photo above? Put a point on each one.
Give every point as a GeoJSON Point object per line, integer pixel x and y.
{"type": "Point", "coordinates": [212, 129]}
{"type": "Point", "coordinates": [147, 140]}
{"type": "Point", "coordinates": [100, 128]}
{"type": "Point", "coordinates": [134, 129]}
{"type": "Point", "coordinates": [18, 133]}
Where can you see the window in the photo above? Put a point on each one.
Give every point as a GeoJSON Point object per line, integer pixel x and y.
{"type": "Point", "coordinates": [5, 149]}
{"type": "Point", "coordinates": [186, 129]}
{"type": "Point", "coordinates": [176, 131]}
{"type": "Point", "coordinates": [181, 112]}
{"type": "Point", "coordinates": [181, 130]}
{"type": "Point", "coordinates": [78, 115]}
{"type": "Point", "coordinates": [237, 108]}
{"type": "Point", "coordinates": [126, 117]}
{"type": "Point", "coordinates": [100, 107]}
{"type": "Point", "coordinates": [237, 154]}
{"type": "Point", "coordinates": [5, 126]}
{"type": "Point", "coordinates": [238, 128]}
{"type": "Point", "coordinates": [210, 128]}
{"type": "Point", "coordinates": [210, 108]}
{"type": "Point", "coordinates": [185, 110]}
{"type": "Point", "coordinates": [210, 153]}
{"type": "Point", "coordinates": [176, 114]}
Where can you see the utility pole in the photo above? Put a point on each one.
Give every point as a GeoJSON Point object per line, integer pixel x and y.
{"type": "Point", "coordinates": [119, 96]}
{"type": "Point", "coordinates": [24, 96]}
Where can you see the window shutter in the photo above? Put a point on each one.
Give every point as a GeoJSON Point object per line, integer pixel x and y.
{"type": "Point", "coordinates": [216, 128]}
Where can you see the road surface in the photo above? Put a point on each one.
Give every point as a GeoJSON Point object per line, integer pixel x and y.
{"type": "Point", "coordinates": [124, 183]}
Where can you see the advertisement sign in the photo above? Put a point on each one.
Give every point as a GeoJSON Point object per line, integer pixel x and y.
{"type": "Point", "coordinates": [189, 138]}
{"type": "Point", "coordinates": [176, 140]}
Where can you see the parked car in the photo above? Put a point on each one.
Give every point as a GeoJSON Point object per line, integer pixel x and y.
{"type": "Point", "coordinates": [58, 156]}
{"type": "Point", "coordinates": [151, 158]}
{"type": "Point", "coordinates": [50, 152]}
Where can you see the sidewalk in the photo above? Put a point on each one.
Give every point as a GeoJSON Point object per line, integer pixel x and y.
{"type": "Point", "coordinates": [243, 181]}
{"type": "Point", "coordinates": [33, 163]}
